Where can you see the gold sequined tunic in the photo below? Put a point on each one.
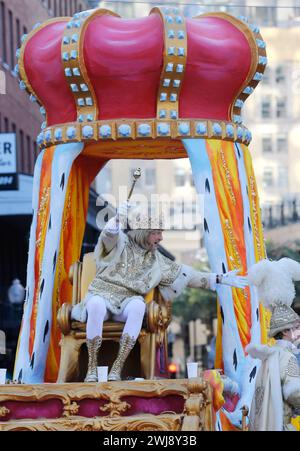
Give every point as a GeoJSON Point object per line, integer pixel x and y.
{"type": "Point", "coordinates": [135, 273]}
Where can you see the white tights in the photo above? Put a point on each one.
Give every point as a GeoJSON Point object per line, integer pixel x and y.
{"type": "Point", "coordinates": [132, 316]}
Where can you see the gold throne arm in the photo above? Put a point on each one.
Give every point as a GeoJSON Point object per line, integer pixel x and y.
{"type": "Point", "coordinates": [64, 313]}
{"type": "Point", "coordinates": [159, 314]}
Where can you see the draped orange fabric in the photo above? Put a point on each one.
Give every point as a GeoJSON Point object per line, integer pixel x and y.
{"type": "Point", "coordinates": [230, 205]}
{"type": "Point", "coordinates": [83, 171]}
{"type": "Point", "coordinates": [258, 237]}
{"type": "Point", "coordinates": [41, 230]}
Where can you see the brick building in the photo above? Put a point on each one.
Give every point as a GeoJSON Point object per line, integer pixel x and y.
{"type": "Point", "coordinates": [17, 114]}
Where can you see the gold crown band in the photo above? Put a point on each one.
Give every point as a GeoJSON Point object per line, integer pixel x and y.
{"type": "Point", "coordinates": [135, 129]}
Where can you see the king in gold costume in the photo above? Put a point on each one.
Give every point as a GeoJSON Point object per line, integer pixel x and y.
{"type": "Point", "coordinates": [129, 266]}
{"type": "Point", "coordinates": [277, 389]}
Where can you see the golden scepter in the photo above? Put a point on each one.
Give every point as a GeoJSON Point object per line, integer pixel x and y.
{"type": "Point", "coordinates": [136, 175]}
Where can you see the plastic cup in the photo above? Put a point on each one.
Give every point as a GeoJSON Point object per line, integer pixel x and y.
{"type": "Point", "coordinates": [192, 369]}
{"type": "Point", "coordinates": [2, 376]}
{"type": "Point", "coordinates": [102, 372]}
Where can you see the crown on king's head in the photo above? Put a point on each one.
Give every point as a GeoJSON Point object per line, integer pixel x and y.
{"type": "Point", "coordinates": [144, 217]}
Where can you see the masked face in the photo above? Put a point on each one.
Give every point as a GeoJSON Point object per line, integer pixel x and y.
{"type": "Point", "coordinates": [295, 334]}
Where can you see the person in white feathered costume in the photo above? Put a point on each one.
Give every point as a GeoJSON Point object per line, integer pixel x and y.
{"type": "Point", "coordinates": [277, 389]}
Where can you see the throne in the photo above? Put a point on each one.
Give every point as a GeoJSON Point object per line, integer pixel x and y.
{"type": "Point", "coordinates": [149, 357]}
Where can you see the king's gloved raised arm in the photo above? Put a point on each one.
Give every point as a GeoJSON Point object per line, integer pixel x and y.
{"type": "Point", "coordinates": [110, 235]}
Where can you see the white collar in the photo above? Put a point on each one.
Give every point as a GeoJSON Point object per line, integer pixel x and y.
{"type": "Point", "coordinates": [286, 344]}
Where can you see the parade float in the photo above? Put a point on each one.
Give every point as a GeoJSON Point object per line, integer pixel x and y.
{"type": "Point", "coordinates": [158, 87]}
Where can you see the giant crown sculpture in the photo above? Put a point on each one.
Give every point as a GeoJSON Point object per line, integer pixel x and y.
{"type": "Point", "coordinates": [99, 77]}
{"type": "Point", "coordinates": [114, 88]}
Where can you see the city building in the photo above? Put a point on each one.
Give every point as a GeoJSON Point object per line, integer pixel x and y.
{"type": "Point", "coordinates": [21, 119]}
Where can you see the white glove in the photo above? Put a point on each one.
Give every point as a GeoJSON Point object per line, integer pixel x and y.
{"type": "Point", "coordinates": [230, 386]}
{"type": "Point", "coordinates": [231, 279]}
{"type": "Point", "coordinates": [122, 213]}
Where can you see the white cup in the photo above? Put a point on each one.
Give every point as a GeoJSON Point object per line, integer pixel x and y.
{"type": "Point", "coordinates": [139, 379]}
{"type": "Point", "coordinates": [2, 376]}
{"type": "Point", "coordinates": [192, 369]}
{"type": "Point", "coordinates": [102, 372]}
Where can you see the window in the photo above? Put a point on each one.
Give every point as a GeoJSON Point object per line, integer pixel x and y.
{"type": "Point", "coordinates": [283, 177]}
{"type": "Point", "coordinates": [282, 144]}
{"type": "Point", "coordinates": [281, 108]}
{"type": "Point", "coordinates": [179, 177]}
{"type": "Point", "coordinates": [6, 125]}
{"type": "Point", "coordinates": [267, 76]}
{"type": "Point", "coordinates": [150, 177]}
{"type": "Point", "coordinates": [18, 31]}
{"type": "Point", "coordinates": [35, 150]}
{"type": "Point", "coordinates": [20, 150]}
{"type": "Point", "coordinates": [280, 74]}
{"type": "Point", "coordinates": [3, 33]}
{"type": "Point", "coordinates": [11, 39]}
{"type": "Point", "coordinates": [266, 107]}
{"type": "Point", "coordinates": [266, 15]}
{"type": "Point", "coordinates": [267, 144]}
{"type": "Point", "coordinates": [192, 183]}
{"type": "Point", "coordinates": [297, 11]}
{"type": "Point", "coordinates": [29, 159]}
{"type": "Point", "coordinates": [268, 177]}
{"type": "Point", "coordinates": [55, 7]}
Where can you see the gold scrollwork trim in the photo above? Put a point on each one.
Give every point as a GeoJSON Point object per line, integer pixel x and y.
{"type": "Point", "coordinates": [116, 408]}
{"type": "Point", "coordinates": [196, 414]}
{"type": "Point", "coordinates": [174, 62]}
{"type": "Point", "coordinates": [76, 74]}
{"type": "Point", "coordinates": [4, 411]}
{"type": "Point", "coordinates": [138, 423]}
{"type": "Point", "coordinates": [256, 218]}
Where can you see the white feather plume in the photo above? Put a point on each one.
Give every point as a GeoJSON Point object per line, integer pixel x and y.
{"type": "Point", "coordinates": [274, 280]}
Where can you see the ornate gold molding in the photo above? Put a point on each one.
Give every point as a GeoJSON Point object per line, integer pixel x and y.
{"type": "Point", "coordinates": [138, 423]}
{"type": "Point", "coordinates": [4, 411]}
{"type": "Point", "coordinates": [72, 52]}
{"type": "Point", "coordinates": [195, 416]}
{"type": "Point", "coordinates": [71, 409]}
{"type": "Point", "coordinates": [116, 408]}
{"type": "Point", "coordinates": [174, 62]}
{"type": "Point", "coordinates": [143, 129]}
